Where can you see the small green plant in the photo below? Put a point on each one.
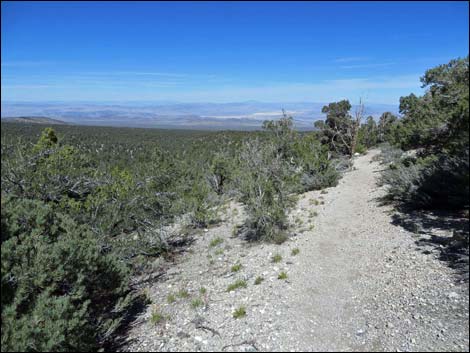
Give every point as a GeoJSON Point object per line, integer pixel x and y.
{"type": "Point", "coordinates": [282, 275]}
{"type": "Point", "coordinates": [216, 241]}
{"type": "Point", "coordinates": [219, 252]}
{"type": "Point", "coordinates": [156, 316]}
{"type": "Point", "coordinates": [183, 293]}
{"type": "Point", "coordinates": [295, 251]}
{"type": "Point", "coordinates": [196, 303]}
{"type": "Point", "coordinates": [202, 290]}
{"type": "Point", "coordinates": [170, 298]}
{"type": "Point", "coordinates": [239, 313]}
{"type": "Point", "coordinates": [314, 202]}
{"type": "Point", "coordinates": [258, 280]}
{"type": "Point", "coordinates": [236, 267]}
{"type": "Point", "coordinates": [311, 227]}
{"type": "Point", "coordinates": [276, 258]}
{"type": "Point", "coordinates": [237, 284]}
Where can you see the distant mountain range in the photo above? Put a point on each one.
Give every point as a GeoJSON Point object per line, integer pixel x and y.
{"type": "Point", "coordinates": [34, 120]}
{"type": "Point", "coordinates": [217, 116]}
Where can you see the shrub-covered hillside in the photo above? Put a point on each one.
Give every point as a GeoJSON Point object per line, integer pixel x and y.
{"type": "Point", "coordinates": [84, 208]}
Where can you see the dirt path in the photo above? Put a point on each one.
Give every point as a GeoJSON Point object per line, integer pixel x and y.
{"type": "Point", "coordinates": [357, 283]}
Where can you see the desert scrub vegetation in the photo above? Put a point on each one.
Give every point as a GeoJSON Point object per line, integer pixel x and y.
{"type": "Point", "coordinates": [258, 280]}
{"type": "Point", "coordinates": [156, 316]}
{"type": "Point", "coordinates": [170, 298]}
{"type": "Point", "coordinates": [216, 241]}
{"type": "Point", "coordinates": [295, 251]}
{"type": "Point", "coordinates": [219, 252]}
{"type": "Point", "coordinates": [236, 285]}
{"type": "Point", "coordinates": [282, 275]}
{"type": "Point", "coordinates": [55, 273]}
{"type": "Point", "coordinates": [436, 128]}
{"type": "Point", "coordinates": [196, 303]}
{"type": "Point", "coordinates": [263, 182]}
{"type": "Point", "coordinates": [276, 258]}
{"type": "Point", "coordinates": [239, 312]}
{"type": "Point", "coordinates": [108, 196]}
{"type": "Point", "coordinates": [182, 293]}
{"type": "Point", "coordinates": [236, 267]}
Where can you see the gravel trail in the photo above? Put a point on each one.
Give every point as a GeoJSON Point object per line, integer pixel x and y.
{"type": "Point", "coordinates": [358, 283]}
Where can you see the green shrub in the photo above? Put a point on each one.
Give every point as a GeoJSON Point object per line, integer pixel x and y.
{"type": "Point", "coordinates": [316, 169]}
{"type": "Point", "coordinates": [239, 312]}
{"type": "Point", "coordinates": [433, 182]}
{"type": "Point", "coordinates": [237, 284]}
{"type": "Point", "coordinates": [156, 317]}
{"type": "Point", "coordinates": [258, 280]}
{"type": "Point", "coordinates": [60, 290]}
{"type": "Point", "coordinates": [276, 258]}
{"type": "Point", "coordinates": [264, 181]}
{"type": "Point", "coordinates": [183, 293]}
{"type": "Point", "coordinates": [170, 298]}
{"type": "Point", "coordinates": [436, 125]}
{"type": "Point", "coordinates": [216, 241]}
{"type": "Point", "coordinates": [196, 303]}
{"type": "Point", "coordinates": [361, 149]}
{"type": "Point", "coordinates": [282, 275]}
{"type": "Point", "coordinates": [236, 268]}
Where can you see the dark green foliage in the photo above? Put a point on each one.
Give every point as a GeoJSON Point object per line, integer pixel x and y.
{"type": "Point", "coordinates": [368, 134]}
{"type": "Point", "coordinates": [431, 182]}
{"type": "Point", "coordinates": [60, 291]}
{"type": "Point", "coordinates": [313, 163]}
{"type": "Point", "coordinates": [336, 128]}
{"type": "Point", "coordinates": [282, 133]}
{"type": "Point", "coordinates": [386, 128]}
{"type": "Point", "coordinates": [85, 206]}
{"type": "Point", "coordinates": [437, 125]}
{"type": "Point", "coordinates": [340, 130]}
{"type": "Point", "coordinates": [263, 180]}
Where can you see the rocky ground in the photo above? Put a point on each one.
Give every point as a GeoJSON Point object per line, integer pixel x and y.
{"type": "Point", "coordinates": [355, 280]}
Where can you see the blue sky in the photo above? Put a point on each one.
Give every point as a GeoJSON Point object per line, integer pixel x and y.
{"type": "Point", "coordinates": [225, 51]}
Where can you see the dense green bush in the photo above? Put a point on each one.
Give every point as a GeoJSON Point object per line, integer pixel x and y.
{"type": "Point", "coordinates": [263, 180]}
{"type": "Point", "coordinates": [368, 135]}
{"type": "Point", "coordinates": [436, 125]}
{"type": "Point", "coordinates": [313, 163]}
{"type": "Point", "coordinates": [60, 290]}
{"type": "Point", "coordinates": [436, 181]}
